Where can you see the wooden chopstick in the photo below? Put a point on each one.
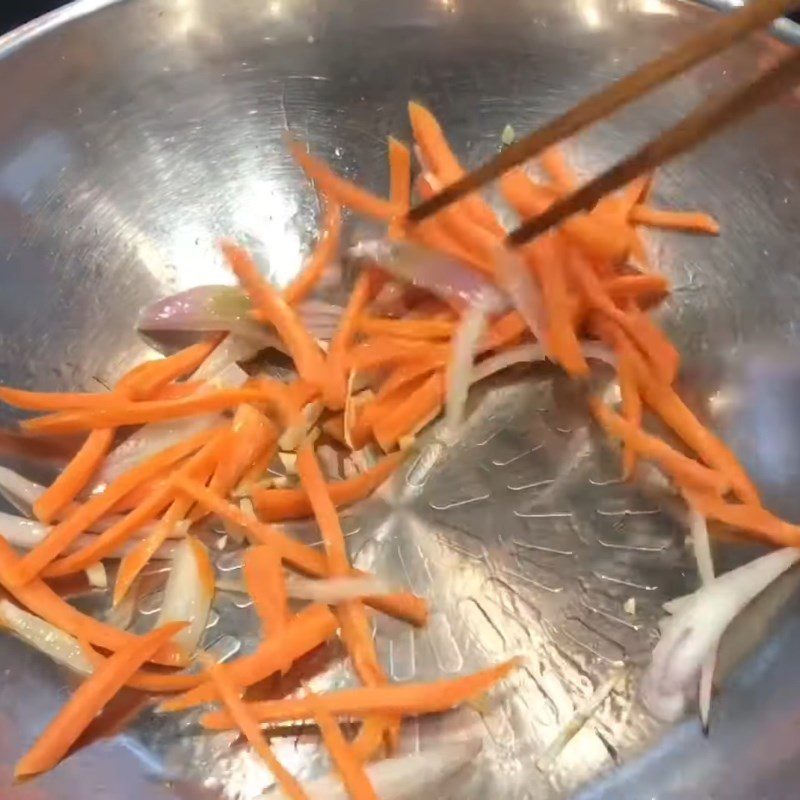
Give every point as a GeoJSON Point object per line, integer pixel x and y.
{"type": "Point", "coordinates": [717, 37]}
{"type": "Point", "coordinates": [706, 121]}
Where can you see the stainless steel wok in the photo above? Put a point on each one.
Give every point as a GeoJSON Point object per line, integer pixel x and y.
{"type": "Point", "coordinates": [134, 134]}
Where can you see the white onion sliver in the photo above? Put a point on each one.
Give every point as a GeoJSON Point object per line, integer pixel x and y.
{"type": "Point", "coordinates": [46, 638]}
{"type": "Point", "coordinates": [230, 350]}
{"type": "Point", "coordinates": [525, 353]}
{"type": "Point", "coordinates": [442, 276]}
{"type": "Point", "coordinates": [694, 632]}
{"type": "Point", "coordinates": [404, 778]}
{"type": "Point", "coordinates": [459, 375]}
{"type": "Point", "coordinates": [19, 491]}
{"type": "Point", "coordinates": [21, 532]}
{"type": "Point", "coordinates": [148, 440]}
{"type": "Point", "coordinates": [96, 575]}
{"type": "Point", "coordinates": [705, 567]}
{"type": "Point", "coordinates": [188, 593]}
{"type": "Point", "coordinates": [335, 590]}
{"type": "Point", "coordinates": [522, 290]}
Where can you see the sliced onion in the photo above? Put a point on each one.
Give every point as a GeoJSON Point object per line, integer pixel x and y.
{"type": "Point", "coordinates": [522, 290]}
{"type": "Point", "coordinates": [532, 353]}
{"type": "Point", "coordinates": [21, 532]}
{"type": "Point", "coordinates": [227, 308]}
{"type": "Point", "coordinates": [46, 638]}
{"type": "Point", "coordinates": [459, 375]}
{"type": "Point", "coordinates": [231, 350]}
{"type": "Point", "coordinates": [96, 575]}
{"type": "Point", "coordinates": [405, 778]}
{"type": "Point", "coordinates": [444, 277]}
{"type": "Point", "coordinates": [19, 491]}
{"type": "Point", "coordinates": [206, 308]}
{"type": "Point", "coordinates": [705, 567]}
{"type": "Point", "coordinates": [148, 440]}
{"type": "Point", "coordinates": [335, 590]}
{"type": "Point", "coordinates": [688, 638]}
{"type": "Point", "coordinates": [293, 436]}
{"type": "Point", "coordinates": [188, 593]}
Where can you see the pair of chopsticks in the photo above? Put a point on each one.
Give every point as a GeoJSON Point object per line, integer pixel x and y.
{"type": "Point", "coordinates": [698, 126]}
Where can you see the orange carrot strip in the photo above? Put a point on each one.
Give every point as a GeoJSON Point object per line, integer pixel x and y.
{"type": "Point", "coordinates": [666, 403]}
{"type": "Point", "coordinates": [88, 700]}
{"type": "Point", "coordinates": [399, 174]}
{"type": "Point", "coordinates": [273, 308]}
{"type": "Point", "coordinates": [69, 529]}
{"type": "Point", "coordinates": [342, 340]}
{"type": "Point", "coordinates": [655, 344]}
{"type": "Point", "coordinates": [752, 518]}
{"type": "Point", "coordinates": [681, 467]}
{"type": "Point", "coordinates": [262, 391]}
{"type": "Point", "coordinates": [263, 576]}
{"type": "Point", "coordinates": [529, 200]}
{"type": "Point", "coordinates": [407, 699]}
{"type": "Point", "coordinates": [279, 504]}
{"type": "Point", "coordinates": [41, 600]}
{"type": "Point", "coordinates": [304, 632]}
{"type": "Point", "coordinates": [154, 503]}
{"type": "Point", "coordinates": [249, 727]}
{"type": "Point", "coordinates": [408, 416]}
{"type": "Point", "coordinates": [402, 605]}
{"type": "Point", "coordinates": [433, 234]}
{"type": "Point", "coordinates": [136, 560]}
{"type": "Point", "coordinates": [350, 769]}
{"type": "Point", "coordinates": [644, 289]}
{"type": "Point", "coordinates": [150, 377]}
{"type": "Point", "coordinates": [689, 221]}
{"type": "Point", "coordinates": [75, 475]}
{"type": "Point", "coordinates": [455, 220]}
{"type": "Point", "coordinates": [356, 631]}
{"type": "Point", "coordinates": [440, 158]}
{"type": "Point", "coordinates": [546, 256]}
{"type": "Point", "coordinates": [555, 164]}
{"type": "Point", "coordinates": [631, 407]}
{"type": "Point", "coordinates": [341, 190]}
{"type": "Point", "coordinates": [176, 391]}
{"type": "Point", "coordinates": [149, 680]}
{"type": "Point", "coordinates": [406, 328]}
{"type": "Point", "coordinates": [596, 297]}
{"type": "Point", "coordinates": [384, 351]}
{"type": "Point", "coordinates": [56, 401]}
{"type": "Point", "coordinates": [324, 253]}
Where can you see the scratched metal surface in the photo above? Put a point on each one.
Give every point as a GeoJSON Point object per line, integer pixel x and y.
{"type": "Point", "coordinates": [136, 133]}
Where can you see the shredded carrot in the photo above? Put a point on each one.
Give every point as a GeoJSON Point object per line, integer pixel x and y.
{"type": "Point", "coordinates": [529, 200]}
{"type": "Point", "coordinates": [689, 221]}
{"type": "Point", "coordinates": [263, 575]}
{"type": "Point", "coordinates": [341, 190]}
{"type": "Point", "coordinates": [157, 500]}
{"type": "Point", "coordinates": [347, 764]}
{"type": "Point", "coordinates": [337, 352]}
{"type": "Point", "coordinates": [412, 413]}
{"type": "Point", "coordinates": [324, 253]}
{"type": "Point", "coordinates": [304, 632]}
{"type": "Point", "coordinates": [262, 392]}
{"type": "Point", "coordinates": [644, 289]}
{"type": "Point", "coordinates": [399, 174]}
{"type": "Point", "coordinates": [274, 309]}
{"type": "Point", "coordinates": [249, 727]}
{"type": "Point", "coordinates": [558, 170]}
{"type": "Point", "coordinates": [631, 405]}
{"type": "Point", "coordinates": [67, 531]}
{"type": "Point", "coordinates": [41, 600]}
{"type": "Point", "coordinates": [743, 516]}
{"type": "Point", "coordinates": [406, 328]}
{"type": "Point", "coordinates": [406, 699]}
{"type": "Point", "coordinates": [681, 467]}
{"type": "Point", "coordinates": [149, 680]}
{"type": "Point", "coordinates": [402, 605]}
{"type": "Point", "coordinates": [441, 159]}
{"type": "Point", "coordinates": [278, 504]}
{"type": "Point", "coordinates": [88, 700]}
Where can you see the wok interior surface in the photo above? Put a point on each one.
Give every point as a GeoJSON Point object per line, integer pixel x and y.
{"type": "Point", "coordinates": [136, 134]}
